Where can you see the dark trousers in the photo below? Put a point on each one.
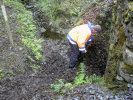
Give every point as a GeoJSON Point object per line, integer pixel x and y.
{"type": "Point", "coordinates": [76, 55]}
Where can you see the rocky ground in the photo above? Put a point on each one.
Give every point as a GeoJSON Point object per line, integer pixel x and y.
{"type": "Point", "coordinates": [22, 82]}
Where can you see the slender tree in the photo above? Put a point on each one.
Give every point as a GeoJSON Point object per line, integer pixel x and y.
{"type": "Point", "coordinates": [7, 23]}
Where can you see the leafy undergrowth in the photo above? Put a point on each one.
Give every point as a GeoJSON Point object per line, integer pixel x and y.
{"type": "Point", "coordinates": [61, 86]}
{"type": "Point", "coordinates": [25, 41]}
{"type": "Point", "coordinates": [82, 78]}
{"type": "Point", "coordinates": [26, 29]}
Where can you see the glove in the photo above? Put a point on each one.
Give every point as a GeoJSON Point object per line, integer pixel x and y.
{"type": "Point", "coordinates": [84, 51]}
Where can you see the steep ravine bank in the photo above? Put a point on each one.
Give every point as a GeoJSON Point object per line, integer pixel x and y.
{"type": "Point", "coordinates": [119, 70]}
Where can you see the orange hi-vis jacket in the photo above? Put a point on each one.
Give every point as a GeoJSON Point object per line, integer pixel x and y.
{"type": "Point", "coordinates": [80, 35]}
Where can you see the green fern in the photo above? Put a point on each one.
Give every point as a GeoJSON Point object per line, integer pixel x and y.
{"type": "Point", "coordinates": [58, 85]}
{"type": "Point", "coordinates": [94, 79]}
{"type": "Point", "coordinates": [37, 67]}
{"type": "Point", "coordinates": [26, 27]}
{"type": "Point", "coordinates": [68, 85]}
{"type": "Point", "coordinates": [79, 79]}
{"type": "Point", "coordinates": [80, 75]}
{"type": "Point", "coordinates": [82, 78]}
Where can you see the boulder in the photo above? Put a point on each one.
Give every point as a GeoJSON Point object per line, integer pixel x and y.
{"type": "Point", "coordinates": [127, 55]}
{"type": "Point", "coordinates": [43, 30]}
{"type": "Point", "coordinates": [119, 78]}
{"type": "Point", "coordinates": [128, 29]}
{"type": "Point", "coordinates": [127, 77]}
{"type": "Point", "coordinates": [129, 41]}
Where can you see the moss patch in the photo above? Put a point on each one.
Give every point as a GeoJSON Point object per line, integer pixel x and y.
{"type": "Point", "coordinates": [110, 79]}
{"type": "Point", "coordinates": [127, 68]}
{"type": "Point", "coordinates": [113, 11]}
{"type": "Point", "coordinates": [116, 51]}
{"type": "Point", "coordinates": [113, 16]}
{"type": "Point", "coordinates": [119, 51]}
{"type": "Point", "coordinates": [111, 47]}
{"type": "Point", "coordinates": [113, 68]}
{"type": "Point", "coordinates": [115, 56]}
{"type": "Point", "coordinates": [117, 21]}
{"type": "Point", "coordinates": [121, 36]}
{"type": "Point", "coordinates": [125, 13]}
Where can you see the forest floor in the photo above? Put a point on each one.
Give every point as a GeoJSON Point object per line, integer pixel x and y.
{"type": "Point", "coordinates": [23, 82]}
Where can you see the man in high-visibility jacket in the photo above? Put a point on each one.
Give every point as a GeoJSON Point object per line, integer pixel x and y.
{"type": "Point", "coordinates": [78, 37]}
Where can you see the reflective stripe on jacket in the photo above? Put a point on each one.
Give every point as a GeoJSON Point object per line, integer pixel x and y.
{"type": "Point", "coordinates": [80, 35]}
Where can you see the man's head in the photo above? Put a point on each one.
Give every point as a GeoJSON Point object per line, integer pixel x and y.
{"type": "Point", "coordinates": [97, 28]}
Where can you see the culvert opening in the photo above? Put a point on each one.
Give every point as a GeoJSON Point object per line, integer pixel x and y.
{"type": "Point", "coordinates": [96, 58]}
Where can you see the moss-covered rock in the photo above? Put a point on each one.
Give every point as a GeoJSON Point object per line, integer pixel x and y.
{"type": "Point", "coordinates": [127, 68]}
{"type": "Point", "coordinates": [121, 28]}
{"type": "Point", "coordinates": [127, 55]}
{"type": "Point", "coordinates": [124, 71]}
{"type": "Point", "coordinates": [129, 41]}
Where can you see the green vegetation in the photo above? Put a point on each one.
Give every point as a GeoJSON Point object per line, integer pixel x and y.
{"type": "Point", "coordinates": [49, 8]}
{"type": "Point", "coordinates": [80, 75]}
{"type": "Point", "coordinates": [115, 55]}
{"type": "Point", "coordinates": [52, 8]}
{"type": "Point", "coordinates": [113, 15]}
{"type": "Point", "coordinates": [37, 67]}
{"type": "Point", "coordinates": [9, 72]}
{"type": "Point", "coordinates": [121, 36]}
{"type": "Point", "coordinates": [1, 74]}
{"type": "Point", "coordinates": [58, 85]}
{"type": "Point", "coordinates": [11, 53]}
{"type": "Point", "coordinates": [94, 79]}
{"type": "Point", "coordinates": [127, 68]}
{"type": "Point", "coordinates": [26, 27]}
{"type": "Point", "coordinates": [105, 35]}
{"type": "Point", "coordinates": [26, 30]}
{"type": "Point", "coordinates": [81, 78]}
{"type": "Point", "coordinates": [111, 47]}
{"type": "Point", "coordinates": [117, 21]}
{"type": "Point", "coordinates": [61, 86]}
